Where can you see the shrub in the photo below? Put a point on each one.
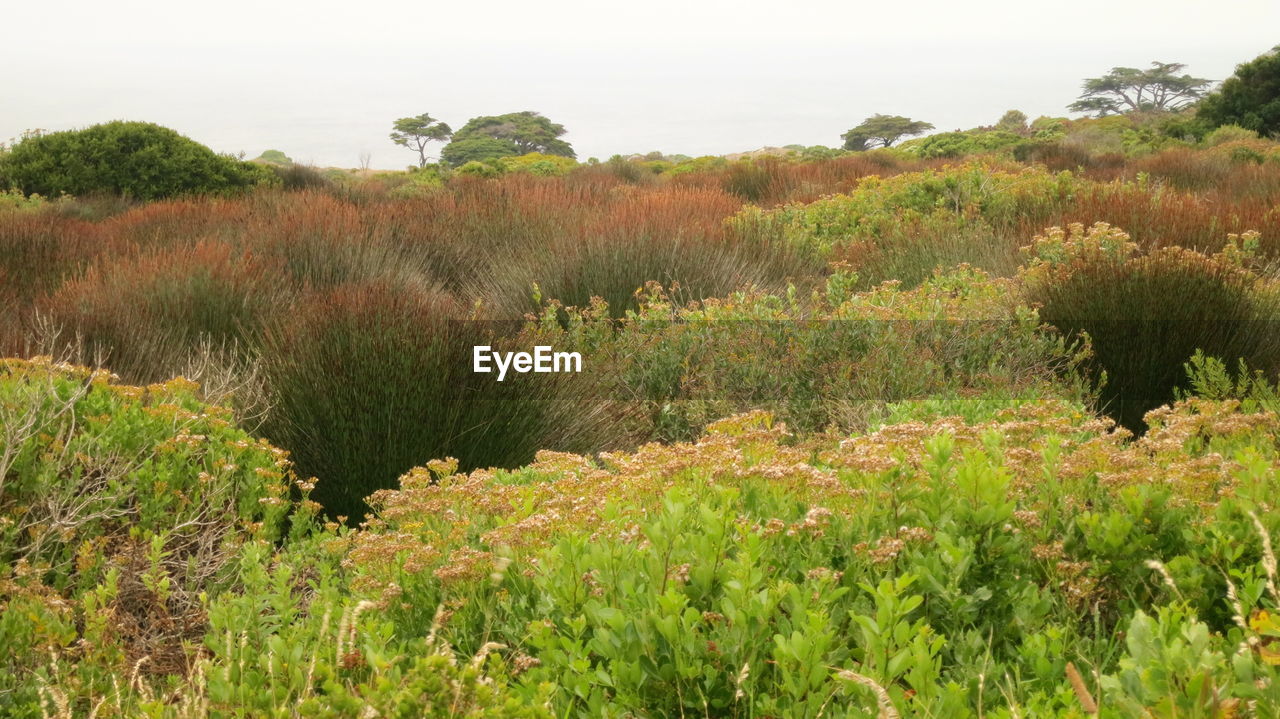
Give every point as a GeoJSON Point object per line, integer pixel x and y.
{"type": "Point", "coordinates": [1228, 133]}
{"type": "Point", "coordinates": [885, 217]}
{"type": "Point", "coordinates": [758, 572]}
{"type": "Point", "coordinates": [137, 159]}
{"type": "Point", "coordinates": [536, 163]}
{"type": "Point", "coordinates": [120, 507]}
{"type": "Point", "coordinates": [1094, 281]}
{"type": "Point", "coordinates": [475, 168]}
{"type": "Point", "coordinates": [959, 144]}
{"type": "Point", "coordinates": [835, 359]}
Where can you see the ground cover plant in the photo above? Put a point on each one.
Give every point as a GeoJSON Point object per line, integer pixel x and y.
{"type": "Point", "coordinates": [980, 424]}
{"type": "Point", "coordinates": [1029, 560]}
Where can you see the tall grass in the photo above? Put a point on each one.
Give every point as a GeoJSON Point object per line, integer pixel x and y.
{"type": "Point", "coordinates": [370, 380]}
{"type": "Point", "coordinates": [41, 250]}
{"type": "Point", "coordinates": [144, 316]}
{"type": "Point", "coordinates": [1148, 314]}
{"type": "Point", "coordinates": [674, 237]}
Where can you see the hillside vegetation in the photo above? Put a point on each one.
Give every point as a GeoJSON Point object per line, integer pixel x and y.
{"type": "Point", "coordinates": [983, 424]}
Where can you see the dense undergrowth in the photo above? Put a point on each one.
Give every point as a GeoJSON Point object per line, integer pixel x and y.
{"type": "Point", "coordinates": [1024, 559]}
{"type": "Point", "coordinates": [351, 307]}
{"type": "Point", "coordinates": [955, 482]}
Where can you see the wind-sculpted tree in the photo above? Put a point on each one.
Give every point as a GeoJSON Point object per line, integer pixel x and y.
{"type": "Point", "coordinates": [515, 133]}
{"type": "Point", "coordinates": [882, 131]}
{"type": "Point", "coordinates": [1128, 89]}
{"type": "Point", "coordinates": [416, 133]}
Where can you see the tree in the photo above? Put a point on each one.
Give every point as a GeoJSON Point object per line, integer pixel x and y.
{"type": "Point", "coordinates": [1128, 89]}
{"type": "Point", "coordinates": [1250, 98]}
{"type": "Point", "coordinates": [476, 149]}
{"type": "Point", "coordinates": [1013, 121]}
{"type": "Point", "coordinates": [416, 133]}
{"type": "Point", "coordinates": [883, 131]}
{"type": "Point", "coordinates": [134, 159]}
{"type": "Point", "coordinates": [518, 132]}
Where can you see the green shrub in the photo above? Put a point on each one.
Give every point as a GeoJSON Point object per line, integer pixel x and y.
{"type": "Point", "coordinates": [754, 572]}
{"type": "Point", "coordinates": [119, 508]}
{"type": "Point", "coordinates": [536, 163]}
{"type": "Point", "coordinates": [274, 157]}
{"type": "Point", "coordinates": [475, 168]}
{"type": "Point", "coordinates": [959, 144]}
{"type": "Point", "coordinates": [836, 359]}
{"type": "Point", "coordinates": [136, 159]}
{"type": "Point", "coordinates": [1228, 133]}
{"type": "Point", "coordinates": [1209, 377]}
{"type": "Point", "coordinates": [905, 226]}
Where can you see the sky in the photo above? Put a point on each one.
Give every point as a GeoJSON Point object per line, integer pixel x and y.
{"type": "Point", "coordinates": [322, 81]}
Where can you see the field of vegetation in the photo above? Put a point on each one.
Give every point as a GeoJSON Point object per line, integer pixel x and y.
{"type": "Point", "coordinates": [980, 425]}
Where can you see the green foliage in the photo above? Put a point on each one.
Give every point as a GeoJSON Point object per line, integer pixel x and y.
{"type": "Point", "coordinates": [274, 157]}
{"type": "Point", "coordinates": [15, 200]}
{"type": "Point", "coordinates": [1048, 128]}
{"type": "Point", "coordinates": [1249, 98]}
{"type": "Point", "coordinates": [415, 133]}
{"type": "Point", "coordinates": [477, 149]}
{"type": "Point", "coordinates": [820, 152]}
{"type": "Point", "coordinates": [831, 360]}
{"type": "Point", "coordinates": [881, 212]}
{"type": "Point", "coordinates": [700, 164]}
{"type": "Point", "coordinates": [516, 133]}
{"type": "Point", "coordinates": [475, 168]}
{"type": "Point", "coordinates": [1013, 121]}
{"type": "Point", "coordinates": [959, 144]}
{"type": "Point", "coordinates": [894, 572]}
{"type": "Point", "coordinates": [1175, 666]}
{"type": "Point", "coordinates": [119, 507]}
{"type": "Point", "coordinates": [136, 159]}
{"type": "Point", "coordinates": [1128, 89]}
{"type": "Point", "coordinates": [537, 163]}
{"type": "Point", "coordinates": [1209, 377]}
{"type": "Point", "coordinates": [1228, 133]}
{"type": "Point", "coordinates": [882, 131]}
{"type": "Point", "coordinates": [301, 177]}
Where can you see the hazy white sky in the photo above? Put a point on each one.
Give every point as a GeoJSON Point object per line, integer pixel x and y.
{"type": "Point", "coordinates": [322, 80]}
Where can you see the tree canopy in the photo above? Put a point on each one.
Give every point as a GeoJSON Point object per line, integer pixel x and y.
{"type": "Point", "coordinates": [515, 133]}
{"type": "Point", "coordinates": [1012, 121]}
{"type": "Point", "coordinates": [476, 149]}
{"type": "Point", "coordinates": [883, 131]}
{"type": "Point", "coordinates": [417, 132]}
{"type": "Point", "coordinates": [135, 159]}
{"type": "Point", "coordinates": [1250, 98]}
{"type": "Point", "coordinates": [1128, 89]}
